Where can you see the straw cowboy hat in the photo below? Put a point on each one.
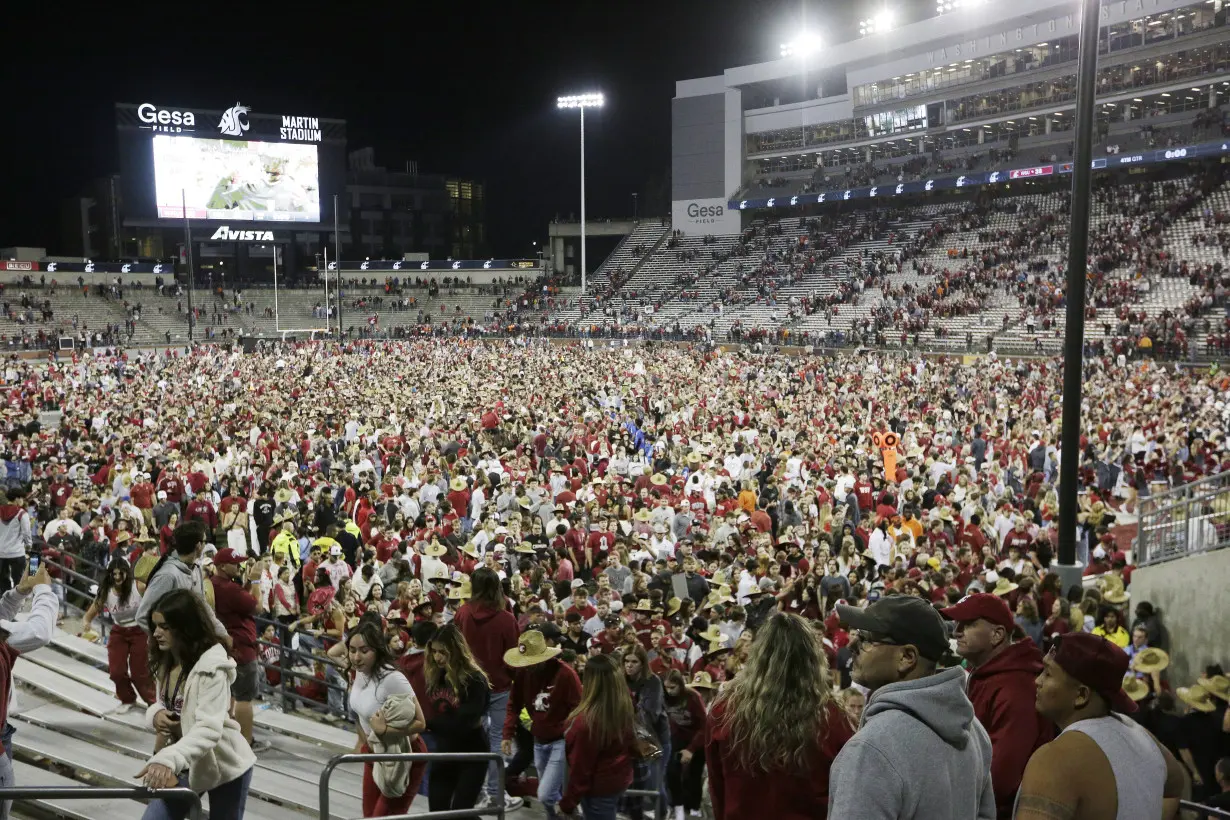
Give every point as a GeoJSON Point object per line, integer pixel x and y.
{"type": "Point", "coordinates": [1116, 595]}
{"type": "Point", "coordinates": [1196, 697]}
{"type": "Point", "coordinates": [470, 550]}
{"type": "Point", "coordinates": [531, 649]}
{"type": "Point", "coordinates": [457, 484]}
{"type": "Point", "coordinates": [643, 605]}
{"type": "Point", "coordinates": [525, 548]}
{"type": "Point", "coordinates": [641, 515]}
{"type": "Point", "coordinates": [1003, 586]}
{"type": "Point", "coordinates": [435, 549]}
{"type": "Point", "coordinates": [716, 648]}
{"type": "Point", "coordinates": [1218, 686]}
{"type": "Point", "coordinates": [658, 480]}
{"type": "Point", "coordinates": [1150, 660]}
{"type": "Point", "coordinates": [703, 680]}
{"type": "Point", "coordinates": [1135, 688]}
{"type": "Point", "coordinates": [462, 591]}
{"type": "Point", "coordinates": [711, 634]}
{"type": "Point", "coordinates": [672, 606]}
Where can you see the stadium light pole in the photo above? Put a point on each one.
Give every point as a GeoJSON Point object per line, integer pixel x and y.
{"type": "Point", "coordinates": [581, 102]}
{"type": "Point", "coordinates": [183, 199]}
{"type": "Point", "coordinates": [1078, 250]}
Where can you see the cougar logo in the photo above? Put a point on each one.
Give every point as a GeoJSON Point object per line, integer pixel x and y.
{"type": "Point", "coordinates": [126, 268]}
{"type": "Point", "coordinates": [332, 266]}
{"type": "Point", "coordinates": [51, 267]}
{"type": "Point", "coordinates": [742, 204]}
{"type": "Point", "coordinates": [900, 188]}
{"type": "Point", "coordinates": [89, 267]}
{"type": "Point", "coordinates": [487, 265]}
{"type": "Point", "coordinates": [846, 195]}
{"type": "Point", "coordinates": [543, 702]}
{"type": "Point", "coordinates": [873, 191]}
{"type": "Point", "coordinates": [769, 204]}
{"type": "Point", "coordinates": [423, 266]}
{"type": "Point", "coordinates": [794, 200]}
{"type": "Point", "coordinates": [234, 121]}
{"type": "Point", "coordinates": [960, 181]}
{"type": "Point", "coordinates": [994, 177]}
{"type": "Point", "coordinates": [397, 266]}
{"type": "Point", "coordinates": [820, 198]}
{"type": "Point", "coordinates": [363, 266]}
{"type": "Point", "coordinates": [157, 268]}
{"type": "Point", "coordinates": [456, 265]}
{"type": "Point", "coordinates": [930, 184]}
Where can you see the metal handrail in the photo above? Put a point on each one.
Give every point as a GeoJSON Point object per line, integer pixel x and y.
{"type": "Point", "coordinates": [1203, 810]}
{"type": "Point", "coordinates": [104, 793]}
{"type": "Point", "coordinates": [287, 672]}
{"type": "Point", "coordinates": [496, 810]}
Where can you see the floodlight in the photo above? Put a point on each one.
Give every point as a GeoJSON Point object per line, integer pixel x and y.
{"type": "Point", "coordinates": [581, 101]}
{"type": "Point", "coordinates": [801, 46]}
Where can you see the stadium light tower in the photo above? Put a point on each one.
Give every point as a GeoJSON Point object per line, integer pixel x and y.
{"type": "Point", "coordinates": [804, 45]}
{"type": "Point", "coordinates": [878, 24]}
{"type": "Point", "coordinates": [581, 102]}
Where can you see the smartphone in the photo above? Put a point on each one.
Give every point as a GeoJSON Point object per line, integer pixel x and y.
{"type": "Point", "coordinates": [34, 559]}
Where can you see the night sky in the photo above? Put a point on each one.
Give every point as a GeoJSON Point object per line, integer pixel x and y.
{"type": "Point", "coordinates": [463, 88]}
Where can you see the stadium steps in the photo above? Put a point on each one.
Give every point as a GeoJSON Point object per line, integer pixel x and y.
{"type": "Point", "coordinates": [92, 740]}
{"type": "Point", "coordinates": [84, 809]}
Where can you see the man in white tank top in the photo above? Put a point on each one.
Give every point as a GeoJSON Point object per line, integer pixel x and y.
{"type": "Point", "coordinates": [1103, 765]}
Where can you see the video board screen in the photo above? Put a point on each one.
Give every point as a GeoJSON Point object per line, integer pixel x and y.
{"type": "Point", "coordinates": [235, 179]}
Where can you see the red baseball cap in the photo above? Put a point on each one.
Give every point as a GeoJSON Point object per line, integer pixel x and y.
{"type": "Point", "coordinates": [229, 556]}
{"type": "Point", "coordinates": [1097, 663]}
{"type": "Point", "coordinates": [982, 605]}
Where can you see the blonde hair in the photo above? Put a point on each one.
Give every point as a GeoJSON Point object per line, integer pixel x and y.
{"type": "Point", "coordinates": [768, 732]}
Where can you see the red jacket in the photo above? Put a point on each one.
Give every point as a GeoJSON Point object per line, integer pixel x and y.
{"type": "Point", "coordinates": [490, 633]}
{"type": "Point", "coordinates": [688, 721]}
{"type": "Point", "coordinates": [595, 771]}
{"type": "Point", "coordinates": [549, 692]}
{"type": "Point", "coordinates": [1002, 691]}
{"type": "Point", "coordinates": [235, 609]}
{"type": "Point", "coordinates": [738, 793]}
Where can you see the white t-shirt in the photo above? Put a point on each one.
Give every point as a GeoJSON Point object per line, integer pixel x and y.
{"type": "Point", "coordinates": [367, 695]}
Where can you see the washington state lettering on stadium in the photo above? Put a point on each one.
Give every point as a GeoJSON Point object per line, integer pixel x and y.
{"type": "Point", "coordinates": [301, 128]}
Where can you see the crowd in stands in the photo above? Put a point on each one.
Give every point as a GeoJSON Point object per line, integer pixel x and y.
{"type": "Point", "coordinates": [634, 518]}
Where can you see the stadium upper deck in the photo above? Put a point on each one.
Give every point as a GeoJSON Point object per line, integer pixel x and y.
{"type": "Point", "coordinates": [988, 77]}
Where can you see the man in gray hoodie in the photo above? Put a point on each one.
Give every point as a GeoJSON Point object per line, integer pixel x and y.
{"type": "Point", "coordinates": [919, 752]}
{"type": "Point", "coordinates": [178, 570]}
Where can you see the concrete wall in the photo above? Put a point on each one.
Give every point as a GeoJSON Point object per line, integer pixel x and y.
{"type": "Point", "coordinates": [1193, 595]}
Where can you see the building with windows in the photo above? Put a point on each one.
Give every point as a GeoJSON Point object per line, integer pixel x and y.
{"type": "Point", "coordinates": [396, 212]}
{"type": "Point", "coordinates": [976, 86]}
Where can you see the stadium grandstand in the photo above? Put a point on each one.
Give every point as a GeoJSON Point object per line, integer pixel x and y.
{"type": "Point", "coordinates": [793, 456]}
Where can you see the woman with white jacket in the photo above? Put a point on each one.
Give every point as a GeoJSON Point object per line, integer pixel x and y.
{"type": "Point", "coordinates": [199, 744]}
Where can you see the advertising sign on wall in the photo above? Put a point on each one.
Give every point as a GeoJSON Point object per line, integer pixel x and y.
{"type": "Point", "coordinates": [702, 216]}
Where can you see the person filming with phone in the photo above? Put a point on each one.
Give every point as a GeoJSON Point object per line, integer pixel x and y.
{"type": "Point", "coordinates": [18, 637]}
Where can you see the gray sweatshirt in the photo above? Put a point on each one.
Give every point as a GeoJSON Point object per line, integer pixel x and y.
{"type": "Point", "coordinates": [175, 574]}
{"type": "Point", "coordinates": [919, 754]}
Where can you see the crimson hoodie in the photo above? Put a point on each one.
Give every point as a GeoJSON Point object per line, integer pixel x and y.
{"type": "Point", "coordinates": [595, 771]}
{"type": "Point", "coordinates": [490, 633]}
{"type": "Point", "coordinates": [1002, 691]}
{"type": "Point", "coordinates": [549, 691]}
{"type": "Point", "coordinates": [738, 792]}
{"type": "Point", "coordinates": [15, 536]}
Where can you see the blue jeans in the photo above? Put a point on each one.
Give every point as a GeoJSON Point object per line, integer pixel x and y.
{"type": "Point", "coordinates": [497, 708]}
{"type": "Point", "coordinates": [600, 808]}
{"type": "Point", "coordinates": [552, 767]}
{"type": "Point", "coordinates": [430, 740]}
{"type": "Point", "coordinates": [226, 802]}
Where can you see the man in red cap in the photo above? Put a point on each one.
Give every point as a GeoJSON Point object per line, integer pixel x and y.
{"type": "Point", "coordinates": [235, 601]}
{"type": "Point", "coordinates": [1103, 765]}
{"type": "Point", "coordinates": [1001, 686]}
